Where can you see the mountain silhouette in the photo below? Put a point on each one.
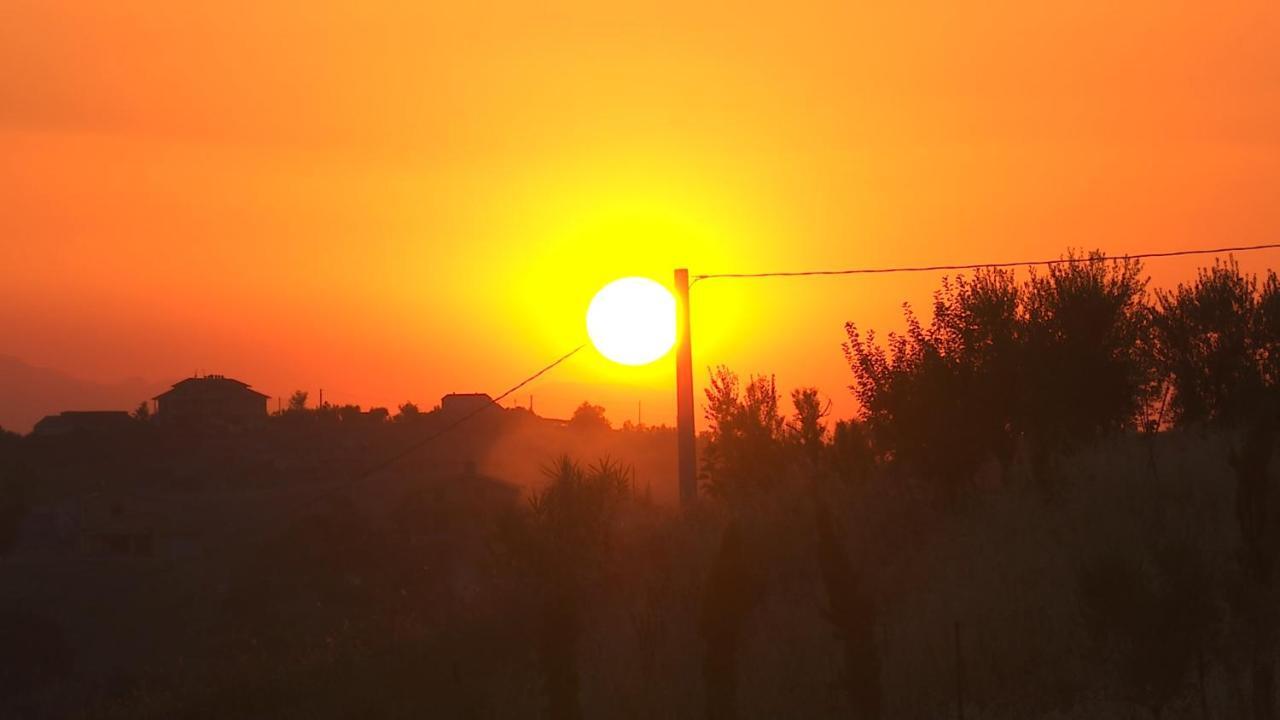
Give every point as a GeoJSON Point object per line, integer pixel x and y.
{"type": "Point", "coordinates": [28, 393]}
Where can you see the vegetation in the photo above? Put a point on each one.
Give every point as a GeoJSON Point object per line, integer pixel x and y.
{"type": "Point", "coordinates": [1058, 500]}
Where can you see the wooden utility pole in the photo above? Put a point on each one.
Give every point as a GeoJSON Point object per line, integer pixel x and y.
{"type": "Point", "coordinates": [959, 675]}
{"type": "Point", "coordinates": [686, 447]}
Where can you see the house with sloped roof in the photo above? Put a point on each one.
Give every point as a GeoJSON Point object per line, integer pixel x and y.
{"type": "Point", "coordinates": [211, 399]}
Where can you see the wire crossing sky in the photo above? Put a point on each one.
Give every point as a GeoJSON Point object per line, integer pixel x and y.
{"type": "Point", "coordinates": [979, 266]}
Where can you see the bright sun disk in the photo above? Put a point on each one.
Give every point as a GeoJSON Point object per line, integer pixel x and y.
{"type": "Point", "coordinates": [632, 321]}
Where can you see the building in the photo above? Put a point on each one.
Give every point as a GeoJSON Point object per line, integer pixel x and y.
{"type": "Point", "coordinates": [83, 422]}
{"type": "Point", "coordinates": [211, 399]}
{"type": "Point", "coordinates": [461, 404]}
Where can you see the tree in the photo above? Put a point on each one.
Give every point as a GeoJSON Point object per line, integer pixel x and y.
{"type": "Point", "coordinates": [940, 398]}
{"type": "Point", "coordinates": [298, 401]}
{"type": "Point", "coordinates": [1087, 368]}
{"type": "Point", "coordinates": [589, 418]}
{"type": "Point", "coordinates": [805, 428]}
{"type": "Point", "coordinates": [851, 455]}
{"type": "Point", "coordinates": [143, 412]}
{"type": "Point", "coordinates": [1213, 341]}
{"type": "Point", "coordinates": [560, 545]}
{"type": "Point", "coordinates": [408, 412]}
{"type": "Point", "coordinates": [1218, 344]}
{"type": "Point", "coordinates": [745, 439]}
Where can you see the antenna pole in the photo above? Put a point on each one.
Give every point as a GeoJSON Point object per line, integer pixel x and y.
{"type": "Point", "coordinates": [686, 447]}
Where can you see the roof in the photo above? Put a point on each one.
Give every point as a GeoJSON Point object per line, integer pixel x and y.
{"type": "Point", "coordinates": [210, 383]}
{"type": "Point", "coordinates": [84, 420]}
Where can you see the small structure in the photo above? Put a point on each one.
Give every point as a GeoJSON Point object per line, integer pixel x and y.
{"type": "Point", "coordinates": [211, 399]}
{"type": "Point", "coordinates": [83, 422]}
{"type": "Point", "coordinates": [460, 404]}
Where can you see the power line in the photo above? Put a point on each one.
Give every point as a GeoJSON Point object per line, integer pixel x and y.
{"type": "Point", "coordinates": [979, 266]}
{"type": "Point", "coordinates": [331, 489]}
{"type": "Point", "coordinates": [391, 460]}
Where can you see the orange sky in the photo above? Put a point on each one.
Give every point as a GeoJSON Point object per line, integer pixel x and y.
{"type": "Point", "coordinates": [393, 201]}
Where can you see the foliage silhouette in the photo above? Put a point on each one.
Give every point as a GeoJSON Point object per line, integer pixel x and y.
{"type": "Point", "coordinates": [940, 399]}
{"type": "Point", "coordinates": [297, 402]}
{"type": "Point", "coordinates": [1214, 340]}
{"type": "Point", "coordinates": [561, 543]}
{"type": "Point", "coordinates": [589, 418]}
{"type": "Point", "coordinates": [1087, 367]}
{"type": "Point", "coordinates": [744, 452]}
{"type": "Point", "coordinates": [1052, 363]}
{"type": "Point", "coordinates": [408, 412]}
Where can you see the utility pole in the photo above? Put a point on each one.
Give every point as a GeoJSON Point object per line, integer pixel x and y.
{"type": "Point", "coordinates": [686, 447]}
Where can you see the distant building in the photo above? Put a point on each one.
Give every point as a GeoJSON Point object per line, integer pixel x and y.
{"type": "Point", "coordinates": [83, 422]}
{"type": "Point", "coordinates": [211, 399]}
{"type": "Point", "coordinates": [458, 404]}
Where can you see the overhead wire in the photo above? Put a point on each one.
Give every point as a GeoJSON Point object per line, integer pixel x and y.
{"type": "Point", "coordinates": [979, 266]}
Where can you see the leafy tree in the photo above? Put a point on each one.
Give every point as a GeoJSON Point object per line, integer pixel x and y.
{"type": "Point", "coordinates": [852, 457]}
{"type": "Point", "coordinates": [589, 418]}
{"type": "Point", "coordinates": [1055, 362]}
{"type": "Point", "coordinates": [1218, 344]}
{"type": "Point", "coordinates": [1086, 369]}
{"type": "Point", "coordinates": [298, 401]}
{"type": "Point", "coordinates": [561, 546]}
{"type": "Point", "coordinates": [744, 447]}
{"type": "Point", "coordinates": [805, 427]}
{"type": "Point", "coordinates": [143, 412]}
{"type": "Point", "coordinates": [1214, 339]}
{"type": "Point", "coordinates": [408, 412]}
{"type": "Point", "coordinates": [1267, 327]}
{"type": "Point", "coordinates": [348, 413]}
{"type": "Point", "coordinates": [940, 398]}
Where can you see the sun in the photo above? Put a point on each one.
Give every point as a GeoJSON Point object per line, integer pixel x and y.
{"type": "Point", "coordinates": [632, 321]}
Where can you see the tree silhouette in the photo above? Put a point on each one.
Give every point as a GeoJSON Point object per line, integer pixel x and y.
{"type": "Point", "coordinates": [1214, 340]}
{"type": "Point", "coordinates": [1054, 362]}
{"type": "Point", "coordinates": [1218, 344]}
{"type": "Point", "coordinates": [297, 401]}
{"type": "Point", "coordinates": [940, 399]}
{"type": "Point", "coordinates": [408, 412]}
{"type": "Point", "coordinates": [589, 418]}
{"type": "Point", "coordinates": [744, 447]}
{"type": "Point", "coordinates": [1087, 367]}
{"type": "Point", "coordinates": [852, 457]}
{"type": "Point", "coordinates": [561, 545]}
{"type": "Point", "coordinates": [805, 427]}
